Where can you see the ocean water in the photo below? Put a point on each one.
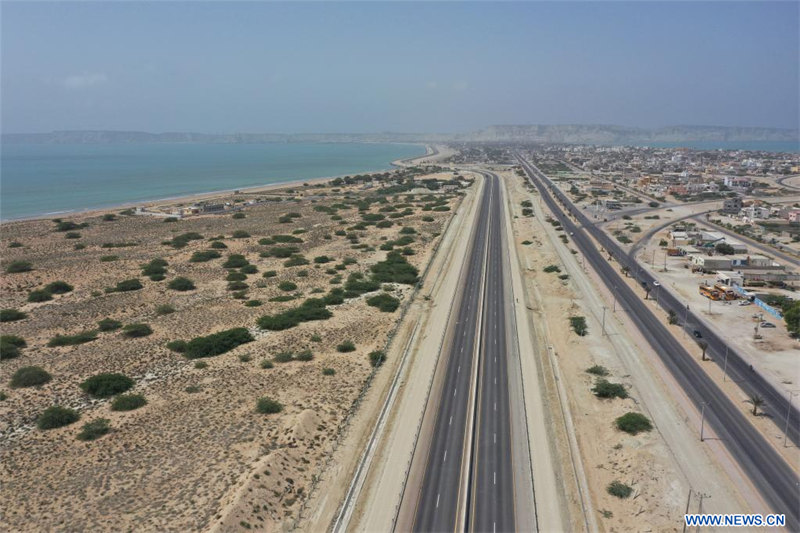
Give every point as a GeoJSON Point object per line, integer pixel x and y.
{"type": "Point", "coordinates": [766, 146]}
{"type": "Point", "coordinates": [37, 180]}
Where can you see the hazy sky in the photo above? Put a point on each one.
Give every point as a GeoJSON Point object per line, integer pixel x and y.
{"type": "Point", "coordinates": [417, 67]}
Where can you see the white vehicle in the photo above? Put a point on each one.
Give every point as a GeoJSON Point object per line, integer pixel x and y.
{"type": "Point", "coordinates": [656, 284]}
{"type": "Point", "coordinates": [767, 325]}
{"type": "Point", "coordinates": [745, 302]}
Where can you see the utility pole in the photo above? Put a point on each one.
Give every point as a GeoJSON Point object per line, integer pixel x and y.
{"type": "Point", "coordinates": [615, 299]}
{"type": "Point", "coordinates": [685, 320]}
{"type": "Point", "coordinates": [700, 507]}
{"type": "Point", "coordinates": [688, 502]}
{"type": "Point", "coordinates": [604, 320]}
{"type": "Point", "coordinates": [702, 421]}
{"type": "Point", "coordinates": [653, 261]}
{"type": "Point", "coordinates": [725, 366]}
{"type": "Point", "coordinates": [788, 411]}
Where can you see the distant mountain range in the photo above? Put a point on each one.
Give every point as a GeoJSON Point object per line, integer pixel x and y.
{"type": "Point", "coordinates": [569, 133]}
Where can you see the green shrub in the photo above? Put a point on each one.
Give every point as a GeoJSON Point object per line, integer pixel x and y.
{"type": "Point", "coordinates": [72, 235]}
{"type": "Point", "coordinates": [252, 303]}
{"type": "Point", "coordinates": [385, 302]}
{"type": "Point", "coordinates": [3, 396]}
{"type": "Point", "coordinates": [328, 371]}
{"type": "Point", "coordinates": [128, 402]}
{"type": "Point", "coordinates": [128, 285]}
{"type": "Point", "coordinates": [181, 284]}
{"type": "Point", "coordinates": [376, 358]}
{"type": "Point", "coordinates": [248, 269]}
{"type": "Point", "coordinates": [15, 244]}
{"type": "Point", "coordinates": [56, 417]}
{"type": "Point", "coordinates": [269, 274]}
{"type": "Point", "coordinates": [427, 219]}
{"type": "Point", "coordinates": [156, 267]}
{"type": "Point", "coordinates": [180, 241]}
{"type": "Point", "coordinates": [311, 309]}
{"type": "Point", "coordinates": [109, 217]}
{"type": "Point", "coordinates": [164, 309]}
{"type": "Point", "coordinates": [200, 365]}
{"type": "Point", "coordinates": [598, 370]}
{"type": "Point", "coordinates": [218, 245]}
{"type": "Point", "coordinates": [240, 234]}
{"type": "Point", "coordinates": [39, 295]}
{"type": "Point", "coordinates": [287, 286]}
{"type": "Point", "coordinates": [619, 489]}
{"type": "Point", "coordinates": [72, 340]}
{"type": "Point", "coordinates": [14, 340]}
{"type": "Point", "coordinates": [283, 298]}
{"type": "Point", "coordinates": [237, 286]}
{"type": "Point", "coordinates": [346, 346]}
{"type": "Point", "coordinates": [217, 343]}
{"type": "Point", "coordinates": [356, 285]}
{"type": "Point", "coordinates": [108, 258]}
{"type": "Point", "coordinates": [266, 406]}
{"type": "Point", "coordinates": [284, 239]}
{"type": "Point", "coordinates": [578, 324]}
{"type": "Point", "coordinates": [606, 389]}
{"type": "Point", "coordinates": [305, 356]}
{"type": "Point", "coordinates": [283, 357]}
{"type": "Point", "coordinates": [11, 315]}
{"type": "Point", "coordinates": [191, 389]}
{"type": "Point", "coordinates": [295, 260]}
{"type": "Point", "coordinates": [552, 268]}
{"type": "Point", "coordinates": [30, 376]}
{"type": "Point", "coordinates": [395, 269]}
{"type": "Point", "coordinates": [67, 225]}
{"type": "Point", "coordinates": [137, 330]}
{"type": "Point", "coordinates": [106, 384]}
{"type": "Point", "coordinates": [58, 287]}
{"type": "Point", "coordinates": [316, 338]}
{"type": "Point", "coordinates": [9, 351]}
{"type": "Point", "coordinates": [238, 216]}
{"type": "Point", "coordinates": [177, 346]}
{"type": "Point", "coordinates": [95, 429]}
{"type": "Point", "coordinates": [235, 276]}
{"type": "Point", "coordinates": [322, 259]}
{"type": "Point", "coordinates": [235, 261]}
{"type": "Point", "coordinates": [633, 423]}
{"type": "Point", "coordinates": [203, 256]}
{"type": "Point", "coordinates": [267, 364]}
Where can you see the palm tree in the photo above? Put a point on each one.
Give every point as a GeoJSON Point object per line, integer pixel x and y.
{"type": "Point", "coordinates": [704, 347]}
{"type": "Point", "coordinates": [756, 401]}
{"type": "Point", "coordinates": [646, 292]}
{"type": "Point", "coordinates": [626, 270]}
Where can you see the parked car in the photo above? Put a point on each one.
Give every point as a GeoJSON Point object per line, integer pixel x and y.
{"type": "Point", "coordinates": [745, 302]}
{"type": "Point", "coordinates": [766, 324]}
{"type": "Point", "coordinates": [697, 334]}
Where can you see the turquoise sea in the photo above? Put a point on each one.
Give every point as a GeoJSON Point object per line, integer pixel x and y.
{"type": "Point", "coordinates": [46, 179]}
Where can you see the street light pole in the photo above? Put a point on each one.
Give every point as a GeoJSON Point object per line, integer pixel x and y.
{"type": "Point", "coordinates": [702, 421]}
{"type": "Point", "coordinates": [604, 320]}
{"type": "Point", "coordinates": [788, 411]}
{"type": "Point", "coordinates": [685, 320]}
{"type": "Point", "coordinates": [615, 299]}
{"type": "Point", "coordinates": [725, 366]}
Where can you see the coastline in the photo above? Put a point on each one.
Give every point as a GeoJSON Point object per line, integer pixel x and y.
{"type": "Point", "coordinates": [203, 195]}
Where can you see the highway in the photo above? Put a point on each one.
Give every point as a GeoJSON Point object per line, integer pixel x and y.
{"type": "Point", "coordinates": [770, 474]}
{"type": "Point", "coordinates": [492, 493]}
{"type": "Point", "coordinates": [468, 481]}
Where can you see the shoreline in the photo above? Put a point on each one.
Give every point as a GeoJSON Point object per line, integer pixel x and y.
{"type": "Point", "coordinates": [265, 187]}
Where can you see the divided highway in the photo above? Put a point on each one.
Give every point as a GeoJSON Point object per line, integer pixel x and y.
{"type": "Point", "coordinates": [769, 473]}
{"type": "Point", "coordinates": [468, 478]}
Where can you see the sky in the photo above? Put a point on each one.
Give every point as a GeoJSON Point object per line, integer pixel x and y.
{"type": "Point", "coordinates": [223, 67]}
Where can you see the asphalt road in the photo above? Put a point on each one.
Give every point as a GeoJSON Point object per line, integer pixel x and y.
{"type": "Point", "coordinates": [492, 493]}
{"type": "Point", "coordinates": [438, 502]}
{"type": "Point", "coordinates": [769, 473]}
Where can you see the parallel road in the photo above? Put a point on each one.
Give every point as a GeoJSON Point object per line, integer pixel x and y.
{"type": "Point", "coordinates": [769, 473]}
{"type": "Point", "coordinates": [468, 479]}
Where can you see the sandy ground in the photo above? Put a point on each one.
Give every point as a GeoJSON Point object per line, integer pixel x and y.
{"type": "Point", "coordinates": [187, 460]}
{"type": "Point", "coordinates": [660, 465]}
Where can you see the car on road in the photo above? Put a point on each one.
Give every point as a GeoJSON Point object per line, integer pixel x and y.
{"type": "Point", "coordinates": [656, 284]}
{"type": "Point", "coordinates": [766, 324]}
{"type": "Point", "coordinates": [697, 334]}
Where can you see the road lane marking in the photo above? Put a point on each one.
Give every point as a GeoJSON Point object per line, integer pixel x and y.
{"type": "Point", "coordinates": [437, 501]}
{"type": "Point", "coordinates": [451, 421]}
{"type": "Point", "coordinates": [445, 456]}
{"type": "Point", "coordinates": [494, 477]}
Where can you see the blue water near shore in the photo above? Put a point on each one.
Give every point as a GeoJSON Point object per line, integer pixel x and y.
{"type": "Point", "coordinates": [763, 146]}
{"type": "Point", "coordinates": [38, 180]}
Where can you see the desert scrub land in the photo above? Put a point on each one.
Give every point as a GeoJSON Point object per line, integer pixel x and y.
{"type": "Point", "coordinates": [185, 327]}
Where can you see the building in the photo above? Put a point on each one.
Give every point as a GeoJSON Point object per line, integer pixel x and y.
{"type": "Point", "coordinates": [732, 206]}
{"type": "Point", "coordinates": [711, 263]}
{"type": "Point", "coordinates": [736, 182]}
{"type": "Point", "coordinates": [729, 278]}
